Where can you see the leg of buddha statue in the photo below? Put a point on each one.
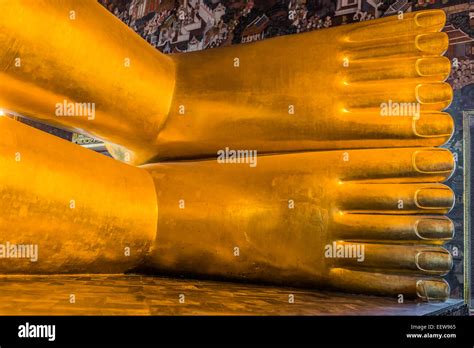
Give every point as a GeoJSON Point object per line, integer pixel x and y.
{"type": "Point", "coordinates": [366, 221]}
{"type": "Point", "coordinates": [86, 213]}
{"type": "Point", "coordinates": [358, 220]}
{"type": "Point", "coordinates": [314, 91]}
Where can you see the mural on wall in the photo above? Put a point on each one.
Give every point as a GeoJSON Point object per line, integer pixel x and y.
{"type": "Point", "coordinates": [190, 25]}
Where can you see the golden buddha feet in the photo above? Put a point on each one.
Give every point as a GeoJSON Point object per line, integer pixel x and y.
{"type": "Point", "coordinates": [372, 84]}
{"type": "Point", "coordinates": [366, 85]}
{"type": "Point", "coordinates": [368, 221]}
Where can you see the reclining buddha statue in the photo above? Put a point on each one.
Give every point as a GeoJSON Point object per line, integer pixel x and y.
{"type": "Point", "coordinates": [345, 194]}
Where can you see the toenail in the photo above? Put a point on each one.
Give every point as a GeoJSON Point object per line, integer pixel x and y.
{"type": "Point", "coordinates": [432, 289]}
{"type": "Point", "coordinates": [429, 93]}
{"type": "Point", "coordinates": [434, 198]}
{"type": "Point", "coordinates": [429, 19]}
{"type": "Point", "coordinates": [434, 260]}
{"type": "Point", "coordinates": [433, 125]}
{"type": "Point", "coordinates": [433, 161]}
{"type": "Point", "coordinates": [434, 229]}
{"type": "Point", "coordinates": [432, 43]}
{"type": "Point", "coordinates": [433, 66]}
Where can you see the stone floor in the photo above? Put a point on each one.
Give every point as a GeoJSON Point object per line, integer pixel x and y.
{"type": "Point", "coordinates": [147, 295]}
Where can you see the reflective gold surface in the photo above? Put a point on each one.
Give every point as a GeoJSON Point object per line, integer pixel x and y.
{"type": "Point", "coordinates": [270, 223]}
{"type": "Point", "coordinates": [282, 215]}
{"type": "Point", "coordinates": [81, 209]}
{"type": "Point", "coordinates": [84, 56]}
{"type": "Point", "coordinates": [97, 294]}
{"type": "Point", "coordinates": [280, 221]}
{"type": "Point", "coordinates": [317, 90]}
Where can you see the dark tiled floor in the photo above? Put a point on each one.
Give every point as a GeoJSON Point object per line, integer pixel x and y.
{"type": "Point", "coordinates": [145, 295]}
